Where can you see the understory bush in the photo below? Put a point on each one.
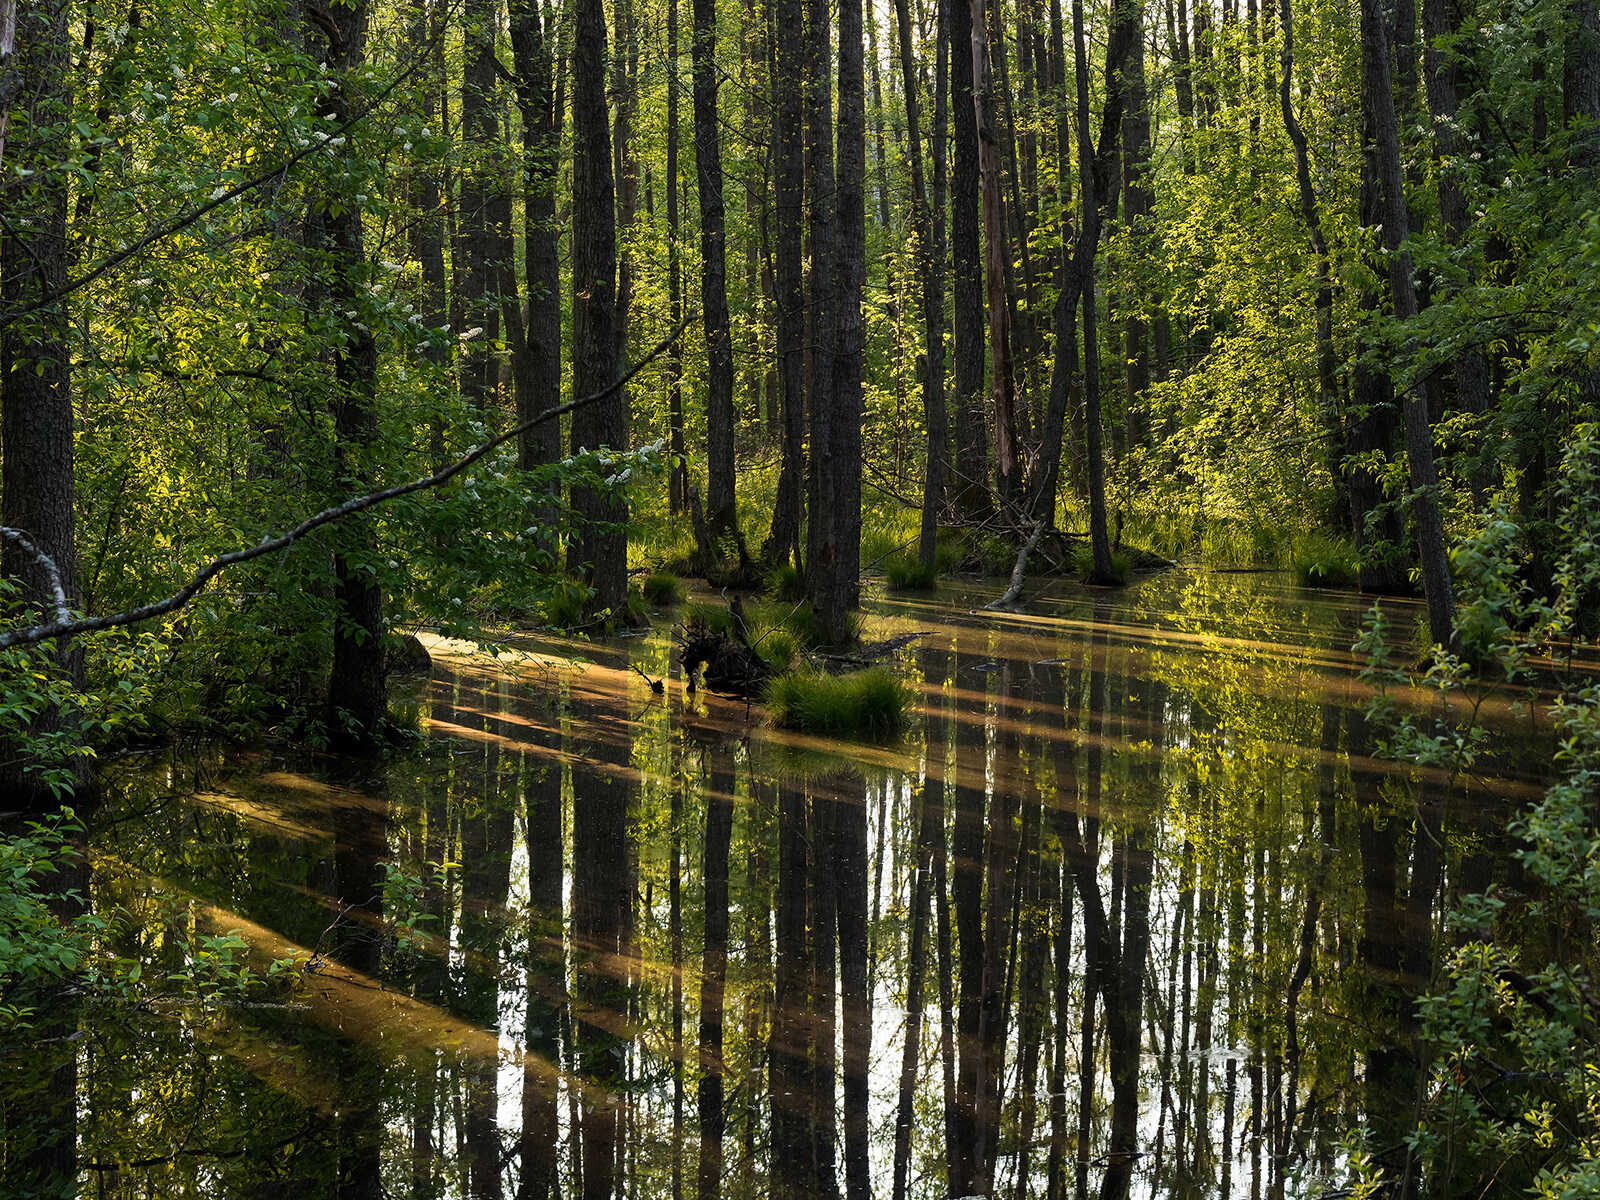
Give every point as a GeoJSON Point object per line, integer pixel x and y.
{"type": "Point", "coordinates": [662, 588]}
{"type": "Point", "coordinates": [1322, 561]}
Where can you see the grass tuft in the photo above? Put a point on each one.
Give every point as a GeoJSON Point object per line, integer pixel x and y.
{"type": "Point", "coordinates": [564, 606]}
{"type": "Point", "coordinates": [662, 588]}
{"type": "Point", "coordinates": [783, 582]}
{"type": "Point", "coordinates": [872, 703]}
{"type": "Point", "coordinates": [906, 574]}
{"type": "Point", "coordinates": [1322, 561]}
{"type": "Point", "coordinates": [715, 617]}
{"type": "Point", "coordinates": [776, 648]}
{"type": "Point", "coordinates": [1083, 563]}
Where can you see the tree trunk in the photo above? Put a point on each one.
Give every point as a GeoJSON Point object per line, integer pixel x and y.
{"type": "Point", "coordinates": [599, 552]}
{"type": "Point", "coordinates": [37, 488]}
{"type": "Point", "coordinates": [823, 553]}
{"type": "Point", "coordinates": [478, 238]}
{"type": "Point", "coordinates": [713, 973]}
{"type": "Point", "coordinates": [971, 480]}
{"type": "Point", "coordinates": [721, 514]}
{"type": "Point", "coordinates": [1378, 103]}
{"type": "Point", "coordinates": [783, 542]}
{"type": "Point", "coordinates": [1130, 82]}
{"type": "Point", "coordinates": [930, 273]}
{"type": "Point", "coordinates": [678, 469]}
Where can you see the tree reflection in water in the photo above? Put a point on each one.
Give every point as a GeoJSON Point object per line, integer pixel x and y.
{"type": "Point", "coordinates": [1135, 909]}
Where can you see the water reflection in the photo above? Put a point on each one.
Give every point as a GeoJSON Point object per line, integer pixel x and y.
{"type": "Point", "coordinates": [1136, 909]}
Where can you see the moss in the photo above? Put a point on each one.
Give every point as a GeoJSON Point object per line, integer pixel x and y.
{"type": "Point", "coordinates": [662, 588]}
{"type": "Point", "coordinates": [906, 574]}
{"type": "Point", "coordinates": [872, 703]}
{"type": "Point", "coordinates": [1321, 561]}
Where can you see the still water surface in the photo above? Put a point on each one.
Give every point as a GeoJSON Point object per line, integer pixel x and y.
{"type": "Point", "coordinates": [1136, 906]}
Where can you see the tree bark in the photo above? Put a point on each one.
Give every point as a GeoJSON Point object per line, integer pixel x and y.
{"type": "Point", "coordinates": [721, 514]}
{"type": "Point", "coordinates": [970, 483]}
{"type": "Point", "coordinates": [37, 488]}
{"type": "Point", "coordinates": [599, 552]}
{"type": "Point", "coordinates": [1378, 102]}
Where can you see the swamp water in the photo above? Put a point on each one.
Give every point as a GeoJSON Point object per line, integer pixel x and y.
{"type": "Point", "coordinates": [1136, 886]}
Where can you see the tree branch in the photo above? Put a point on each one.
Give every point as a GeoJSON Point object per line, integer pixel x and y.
{"type": "Point", "coordinates": [63, 626]}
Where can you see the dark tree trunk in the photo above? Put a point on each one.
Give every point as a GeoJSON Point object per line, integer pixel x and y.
{"type": "Point", "coordinates": [850, 863]}
{"type": "Point", "coordinates": [930, 272]}
{"type": "Point", "coordinates": [546, 982]}
{"type": "Point", "coordinates": [1088, 241]}
{"type": "Point", "coordinates": [823, 553]}
{"type": "Point", "coordinates": [37, 487]}
{"type": "Point", "coordinates": [1379, 106]}
{"type": "Point", "coordinates": [1130, 82]}
{"type": "Point", "coordinates": [427, 213]}
{"type": "Point", "coordinates": [536, 343]}
{"type": "Point", "coordinates": [357, 691]}
{"type": "Point", "coordinates": [823, 894]}
{"type": "Point", "coordinates": [721, 514]}
{"type": "Point", "coordinates": [971, 460]}
{"type": "Point", "coordinates": [789, 1082]}
{"type": "Point", "coordinates": [996, 258]}
{"type": "Point", "coordinates": [783, 541]}
{"type": "Point", "coordinates": [844, 463]}
{"type": "Point", "coordinates": [713, 974]}
{"type": "Point", "coordinates": [599, 552]}
{"type": "Point", "coordinates": [678, 469]}
{"type": "Point", "coordinates": [480, 234]}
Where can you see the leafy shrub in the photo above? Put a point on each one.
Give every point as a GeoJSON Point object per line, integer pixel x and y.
{"type": "Point", "coordinates": [906, 574]}
{"type": "Point", "coordinates": [870, 703]}
{"type": "Point", "coordinates": [662, 588]}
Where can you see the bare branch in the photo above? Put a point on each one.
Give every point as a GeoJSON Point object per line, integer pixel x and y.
{"type": "Point", "coordinates": [63, 627]}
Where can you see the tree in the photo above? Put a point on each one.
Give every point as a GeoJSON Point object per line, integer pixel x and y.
{"type": "Point", "coordinates": [721, 514]}
{"type": "Point", "coordinates": [599, 553]}
{"type": "Point", "coordinates": [1377, 98]}
{"type": "Point", "coordinates": [37, 491]}
{"type": "Point", "coordinates": [971, 479]}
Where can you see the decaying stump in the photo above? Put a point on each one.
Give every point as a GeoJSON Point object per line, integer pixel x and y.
{"type": "Point", "coordinates": [730, 664]}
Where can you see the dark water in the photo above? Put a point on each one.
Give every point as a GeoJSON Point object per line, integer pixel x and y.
{"type": "Point", "coordinates": [1136, 887]}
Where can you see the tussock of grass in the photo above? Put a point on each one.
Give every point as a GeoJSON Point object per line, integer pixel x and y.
{"type": "Point", "coordinates": [783, 581]}
{"type": "Point", "coordinates": [564, 607]}
{"type": "Point", "coordinates": [662, 588]}
{"type": "Point", "coordinates": [714, 617]}
{"type": "Point", "coordinates": [776, 648]}
{"type": "Point", "coordinates": [906, 574]}
{"type": "Point", "coordinates": [1321, 561]}
{"type": "Point", "coordinates": [870, 703]}
{"type": "Point", "coordinates": [1083, 563]}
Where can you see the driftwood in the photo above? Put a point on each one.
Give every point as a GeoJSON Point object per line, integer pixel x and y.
{"type": "Point", "coordinates": [1019, 573]}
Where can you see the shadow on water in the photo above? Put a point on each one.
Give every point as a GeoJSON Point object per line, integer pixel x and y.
{"type": "Point", "coordinates": [1136, 908]}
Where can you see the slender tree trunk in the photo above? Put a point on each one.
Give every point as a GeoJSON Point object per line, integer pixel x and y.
{"type": "Point", "coordinates": [599, 552]}
{"type": "Point", "coordinates": [824, 555]}
{"type": "Point", "coordinates": [478, 238]}
{"type": "Point", "coordinates": [971, 460]}
{"type": "Point", "coordinates": [721, 514]}
{"type": "Point", "coordinates": [1378, 101]}
{"type": "Point", "coordinates": [678, 471]}
{"type": "Point", "coordinates": [713, 973]}
{"type": "Point", "coordinates": [997, 253]}
{"type": "Point", "coordinates": [1136, 213]}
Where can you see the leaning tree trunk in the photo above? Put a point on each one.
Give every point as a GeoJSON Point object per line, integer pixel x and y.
{"type": "Point", "coordinates": [721, 514]}
{"type": "Point", "coordinates": [599, 552]}
{"type": "Point", "coordinates": [1378, 100]}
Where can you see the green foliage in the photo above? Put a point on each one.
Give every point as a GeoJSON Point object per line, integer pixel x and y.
{"type": "Point", "coordinates": [872, 703]}
{"type": "Point", "coordinates": [906, 574]}
{"type": "Point", "coordinates": [662, 589]}
{"type": "Point", "coordinates": [565, 604]}
{"type": "Point", "coordinates": [1322, 561]}
{"type": "Point", "coordinates": [716, 618]}
{"type": "Point", "coordinates": [776, 647]}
